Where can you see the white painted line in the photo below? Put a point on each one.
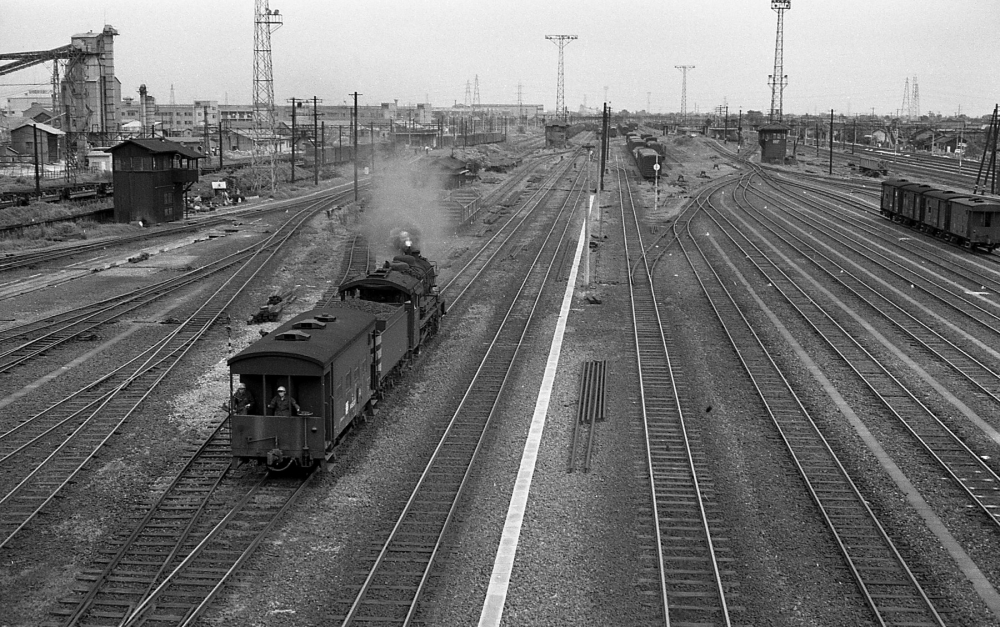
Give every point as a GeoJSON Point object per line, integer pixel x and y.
{"type": "Point", "coordinates": [496, 594]}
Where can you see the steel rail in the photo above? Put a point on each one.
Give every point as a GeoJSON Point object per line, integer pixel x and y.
{"type": "Point", "coordinates": [446, 474]}
{"type": "Point", "coordinates": [32, 502]}
{"type": "Point", "coordinates": [974, 370]}
{"type": "Point", "coordinates": [690, 587]}
{"type": "Point", "coordinates": [63, 327]}
{"type": "Point", "coordinates": [968, 471]}
{"type": "Point", "coordinates": [882, 575]}
{"type": "Point", "coordinates": [14, 440]}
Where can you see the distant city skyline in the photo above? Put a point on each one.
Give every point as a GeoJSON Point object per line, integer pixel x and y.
{"type": "Point", "coordinates": [851, 56]}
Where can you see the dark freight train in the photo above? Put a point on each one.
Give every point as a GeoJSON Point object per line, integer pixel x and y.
{"type": "Point", "coordinates": [963, 219]}
{"type": "Point", "coordinates": [334, 362]}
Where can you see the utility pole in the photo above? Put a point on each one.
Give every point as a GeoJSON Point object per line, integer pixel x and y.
{"type": "Point", "coordinates": [831, 141]}
{"type": "Point", "coordinates": [561, 41]}
{"type": "Point", "coordinates": [355, 135]}
{"type": "Point", "coordinates": [739, 132]}
{"type": "Point", "coordinates": [38, 178]}
{"type": "Point", "coordinates": [778, 80]}
{"type": "Point", "coordinates": [315, 139]}
{"type": "Point", "coordinates": [296, 103]}
{"type": "Point", "coordinates": [605, 115]}
{"type": "Point", "coordinates": [684, 91]}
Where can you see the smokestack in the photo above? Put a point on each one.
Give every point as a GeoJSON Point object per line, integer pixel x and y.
{"type": "Point", "coordinates": [406, 240]}
{"type": "Point", "coordinates": [142, 110]}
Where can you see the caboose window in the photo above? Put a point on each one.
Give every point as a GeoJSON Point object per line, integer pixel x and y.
{"type": "Point", "coordinates": [988, 219]}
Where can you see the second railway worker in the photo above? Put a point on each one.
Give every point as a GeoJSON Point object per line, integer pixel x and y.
{"type": "Point", "coordinates": [242, 400]}
{"type": "Point", "coordinates": [283, 404]}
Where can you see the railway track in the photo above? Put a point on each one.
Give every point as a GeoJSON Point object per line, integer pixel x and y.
{"type": "Point", "coordinates": [956, 286]}
{"type": "Point", "coordinates": [154, 576]}
{"type": "Point", "coordinates": [938, 436]}
{"type": "Point", "coordinates": [357, 262]}
{"type": "Point", "coordinates": [41, 460]}
{"type": "Point", "coordinates": [689, 580]}
{"type": "Point", "coordinates": [13, 261]}
{"type": "Point", "coordinates": [391, 592]}
{"type": "Point", "coordinates": [504, 238]}
{"type": "Point", "coordinates": [883, 577]}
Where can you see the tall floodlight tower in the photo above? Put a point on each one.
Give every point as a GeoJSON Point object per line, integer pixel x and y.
{"type": "Point", "coordinates": [778, 80]}
{"type": "Point", "coordinates": [904, 110]}
{"type": "Point", "coordinates": [561, 41]}
{"type": "Point", "coordinates": [520, 109]}
{"type": "Point", "coordinates": [684, 91]}
{"type": "Point", "coordinates": [266, 22]}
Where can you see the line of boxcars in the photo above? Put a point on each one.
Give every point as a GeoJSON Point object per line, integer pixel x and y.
{"type": "Point", "coordinates": [335, 361]}
{"type": "Point", "coordinates": [647, 150]}
{"type": "Point", "coordinates": [963, 219]}
{"type": "Point", "coordinates": [80, 191]}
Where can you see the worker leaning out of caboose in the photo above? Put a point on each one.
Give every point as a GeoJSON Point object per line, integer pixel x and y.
{"type": "Point", "coordinates": [283, 404]}
{"type": "Point", "coordinates": [242, 400]}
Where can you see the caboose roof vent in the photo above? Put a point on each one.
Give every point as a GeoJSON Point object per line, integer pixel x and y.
{"type": "Point", "coordinates": [325, 317]}
{"type": "Point", "coordinates": [292, 336]}
{"type": "Point", "coordinates": [310, 323]}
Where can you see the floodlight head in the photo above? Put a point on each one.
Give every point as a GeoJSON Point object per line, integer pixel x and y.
{"type": "Point", "coordinates": [781, 4]}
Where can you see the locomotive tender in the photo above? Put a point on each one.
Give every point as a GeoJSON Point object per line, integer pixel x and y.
{"type": "Point", "coordinates": [335, 361]}
{"type": "Point", "coordinates": [963, 219]}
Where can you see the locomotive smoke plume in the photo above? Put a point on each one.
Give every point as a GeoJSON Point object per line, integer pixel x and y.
{"type": "Point", "coordinates": [404, 239]}
{"type": "Point", "coordinates": [406, 198]}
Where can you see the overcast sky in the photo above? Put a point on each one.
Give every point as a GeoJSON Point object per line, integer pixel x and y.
{"type": "Point", "coordinates": [847, 55]}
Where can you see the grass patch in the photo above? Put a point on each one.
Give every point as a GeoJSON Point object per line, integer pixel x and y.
{"type": "Point", "coordinates": [49, 234]}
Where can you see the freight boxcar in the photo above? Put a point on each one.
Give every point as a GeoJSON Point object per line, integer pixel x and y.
{"type": "Point", "coordinates": [645, 159]}
{"type": "Point", "coordinates": [970, 221]}
{"type": "Point", "coordinates": [873, 166]}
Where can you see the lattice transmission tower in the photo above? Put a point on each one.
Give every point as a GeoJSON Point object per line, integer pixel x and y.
{"type": "Point", "coordinates": [684, 91]}
{"type": "Point", "coordinates": [778, 80]}
{"type": "Point", "coordinates": [266, 22]}
{"type": "Point", "coordinates": [905, 111]}
{"type": "Point", "coordinates": [915, 101]}
{"type": "Point", "coordinates": [561, 41]}
{"type": "Point", "coordinates": [476, 104]}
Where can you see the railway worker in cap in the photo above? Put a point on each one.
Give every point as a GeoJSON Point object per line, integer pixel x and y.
{"type": "Point", "coordinates": [283, 404]}
{"type": "Point", "coordinates": [242, 400]}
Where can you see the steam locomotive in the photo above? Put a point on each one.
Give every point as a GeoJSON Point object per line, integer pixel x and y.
{"type": "Point", "coordinates": [335, 361]}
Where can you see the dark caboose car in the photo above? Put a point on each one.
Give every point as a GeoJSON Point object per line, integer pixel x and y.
{"type": "Point", "coordinates": [335, 362]}
{"type": "Point", "coordinates": [323, 358]}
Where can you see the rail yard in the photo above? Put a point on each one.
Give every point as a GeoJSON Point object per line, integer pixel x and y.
{"type": "Point", "coordinates": [793, 422]}
{"type": "Point", "coordinates": [379, 355]}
